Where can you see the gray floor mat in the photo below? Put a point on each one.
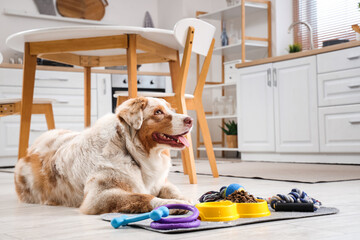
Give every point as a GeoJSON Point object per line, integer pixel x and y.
{"type": "Point", "coordinates": [275, 216]}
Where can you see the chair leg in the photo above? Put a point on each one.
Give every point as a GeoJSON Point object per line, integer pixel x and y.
{"type": "Point", "coordinates": [188, 153]}
{"type": "Point", "coordinates": [184, 162]}
{"type": "Point", "coordinates": [49, 115]}
{"type": "Point", "coordinates": [206, 138]}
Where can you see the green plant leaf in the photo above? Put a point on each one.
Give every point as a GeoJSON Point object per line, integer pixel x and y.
{"type": "Point", "coordinates": [230, 128]}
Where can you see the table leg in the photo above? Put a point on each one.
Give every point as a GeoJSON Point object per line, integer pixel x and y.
{"type": "Point", "coordinates": [132, 66]}
{"type": "Point", "coordinates": [26, 99]}
{"type": "Point", "coordinates": [87, 96]}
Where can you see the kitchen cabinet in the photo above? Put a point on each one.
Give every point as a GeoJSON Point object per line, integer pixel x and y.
{"type": "Point", "coordinates": [277, 106]}
{"type": "Point", "coordinates": [339, 101]}
{"type": "Point", "coordinates": [255, 107]}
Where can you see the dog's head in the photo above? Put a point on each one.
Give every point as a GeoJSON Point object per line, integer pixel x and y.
{"type": "Point", "coordinates": [154, 123]}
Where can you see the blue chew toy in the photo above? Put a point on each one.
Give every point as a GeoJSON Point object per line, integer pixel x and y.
{"type": "Point", "coordinates": [155, 215]}
{"type": "Point", "coordinates": [232, 188]}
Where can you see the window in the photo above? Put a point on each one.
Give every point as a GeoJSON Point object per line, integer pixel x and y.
{"type": "Point", "coordinates": [329, 19]}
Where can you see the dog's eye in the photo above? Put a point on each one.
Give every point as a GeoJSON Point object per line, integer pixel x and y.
{"type": "Point", "coordinates": [158, 112]}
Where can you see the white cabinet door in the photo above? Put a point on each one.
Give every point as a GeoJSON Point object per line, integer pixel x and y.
{"type": "Point", "coordinates": [104, 98]}
{"type": "Point", "coordinates": [295, 102]}
{"type": "Point", "coordinates": [255, 109]}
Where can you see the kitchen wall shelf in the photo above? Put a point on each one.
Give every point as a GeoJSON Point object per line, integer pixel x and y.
{"type": "Point", "coordinates": [250, 45]}
{"type": "Point", "coordinates": [221, 116]}
{"type": "Point", "coordinates": [233, 11]}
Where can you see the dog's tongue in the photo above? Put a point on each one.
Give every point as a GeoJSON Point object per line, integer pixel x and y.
{"type": "Point", "coordinates": [184, 141]}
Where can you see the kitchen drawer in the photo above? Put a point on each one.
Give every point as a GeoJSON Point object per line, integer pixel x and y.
{"type": "Point", "coordinates": [338, 60]}
{"type": "Point", "coordinates": [338, 88]}
{"type": "Point", "coordinates": [13, 77]}
{"type": "Point", "coordinates": [340, 129]}
{"type": "Point", "coordinates": [67, 102]}
{"type": "Point", "coordinates": [10, 128]}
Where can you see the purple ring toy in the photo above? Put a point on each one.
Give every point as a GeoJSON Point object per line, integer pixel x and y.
{"type": "Point", "coordinates": [172, 223]}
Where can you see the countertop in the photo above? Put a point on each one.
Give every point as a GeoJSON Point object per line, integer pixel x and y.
{"type": "Point", "coordinates": [72, 69]}
{"type": "Point", "coordinates": [299, 54]}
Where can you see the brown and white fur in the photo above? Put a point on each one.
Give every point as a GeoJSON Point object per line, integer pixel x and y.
{"type": "Point", "coordinates": [117, 165]}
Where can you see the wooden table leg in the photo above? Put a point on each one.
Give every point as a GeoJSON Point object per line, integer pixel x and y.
{"type": "Point", "coordinates": [87, 96]}
{"type": "Point", "coordinates": [132, 66]}
{"type": "Point", "coordinates": [26, 99]}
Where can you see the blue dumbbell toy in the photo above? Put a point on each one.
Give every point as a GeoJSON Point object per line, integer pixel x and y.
{"type": "Point", "coordinates": [155, 215]}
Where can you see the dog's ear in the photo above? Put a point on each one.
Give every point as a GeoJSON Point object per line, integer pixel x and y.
{"type": "Point", "coordinates": [131, 111]}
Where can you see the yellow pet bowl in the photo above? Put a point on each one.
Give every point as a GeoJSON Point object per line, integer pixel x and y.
{"type": "Point", "coordinates": [227, 210]}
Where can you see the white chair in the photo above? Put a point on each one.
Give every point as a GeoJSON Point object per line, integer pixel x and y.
{"type": "Point", "coordinates": [195, 36]}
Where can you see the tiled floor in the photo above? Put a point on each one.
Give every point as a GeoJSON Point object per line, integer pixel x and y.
{"type": "Point", "coordinates": [26, 221]}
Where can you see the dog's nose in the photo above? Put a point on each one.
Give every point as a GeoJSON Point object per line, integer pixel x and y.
{"type": "Point", "coordinates": [188, 121]}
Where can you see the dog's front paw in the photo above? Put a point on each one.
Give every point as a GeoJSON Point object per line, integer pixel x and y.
{"type": "Point", "coordinates": [157, 202]}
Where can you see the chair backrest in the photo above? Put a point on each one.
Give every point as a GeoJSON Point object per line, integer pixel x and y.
{"type": "Point", "coordinates": [204, 33]}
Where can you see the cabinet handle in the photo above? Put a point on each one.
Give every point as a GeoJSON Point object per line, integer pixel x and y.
{"type": "Point", "coordinates": [355, 85]}
{"type": "Point", "coordinates": [275, 77]}
{"type": "Point", "coordinates": [52, 79]}
{"type": "Point", "coordinates": [353, 57]}
{"type": "Point", "coordinates": [62, 101]}
{"type": "Point", "coordinates": [354, 121]}
{"type": "Point", "coordinates": [104, 83]}
{"type": "Point", "coordinates": [38, 130]}
{"type": "Point", "coordinates": [268, 77]}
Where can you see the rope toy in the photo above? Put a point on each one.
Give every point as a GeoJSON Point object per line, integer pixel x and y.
{"type": "Point", "coordinates": [178, 222]}
{"type": "Point", "coordinates": [295, 196]}
{"type": "Point", "coordinates": [213, 196]}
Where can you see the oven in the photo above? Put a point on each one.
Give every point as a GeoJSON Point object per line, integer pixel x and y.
{"type": "Point", "coordinates": [145, 83]}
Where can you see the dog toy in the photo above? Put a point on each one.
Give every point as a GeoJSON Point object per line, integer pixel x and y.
{"type": "Point", "coordinates": [213, 196]}
{"type": "Point", "coordinates": [155, 215]}
{"type": "Point", "coordinates": [296, 200]}
{"type": "Point", "coordinates": [178, 222]}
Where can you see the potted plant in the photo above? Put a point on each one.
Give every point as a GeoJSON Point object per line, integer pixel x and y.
{"type": "Point", "coordinates": [231, 133]}
{"type": "Point", "coordinates": [296, 47]}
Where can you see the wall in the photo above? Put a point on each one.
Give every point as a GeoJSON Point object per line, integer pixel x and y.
{"type": "Point", "coordinates": [282, 17]}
